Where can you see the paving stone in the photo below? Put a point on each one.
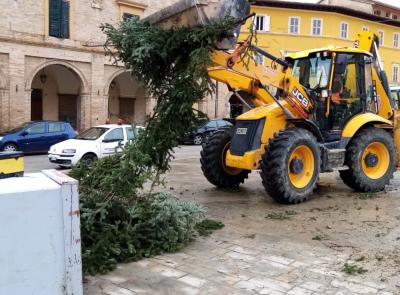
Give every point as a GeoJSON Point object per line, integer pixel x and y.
{"type": "Point", "coordinates": [224, 279]}
{"type": "Point", "coordinates": [288, 277]}
{"type": "Point", "coordinates": [268, 283]}
{"type": "Point", "coordinates": [167, 262]}
{"type": "Point", "coordinates": [192, 281]}
{"type": "Point", "coordinates": [224, 244]}
{"type": "Point", "coordinates": [114, 279]}
{"type": "Point", "coordinates": [269, 292]}
{"type": "Point", "coordinates": [167, 271]}
{"type": "Point", "coordinates": [385, 293]}
{"type": "Point", "coordinates": [299, 264]}
{"type": "Point", "coordinates": [357, 288]}
{"type": "Point", "coordinates": [240, 256]}
{"type": "Point", "coordinates": [279, 259]}
{"type": "Point", "coordinates": [366, 283]}
{"type": "Point", "coordinates": [246, 285]}
{"type": "Point", "coordinates": [115, 290]}
{"type": "Point", "coordinates": [313, 286]}
{"type": "Point", "coordinates": [299, 291]}
{"type": "Point", "coordinates": [243, 250]}
{"type": "Point", "coordinates": [325, 272]}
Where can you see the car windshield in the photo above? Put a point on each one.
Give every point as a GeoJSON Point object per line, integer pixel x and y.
{"type": "Point", "coordinates": [92, 133]}
{"type": "Point", "coordinates": [19, 128]}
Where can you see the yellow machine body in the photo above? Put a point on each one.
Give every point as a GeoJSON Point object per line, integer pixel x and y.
{"type": "Point", "coordinates": [11, 164]}
{"type": "Point", "coordinates": [291, 105]}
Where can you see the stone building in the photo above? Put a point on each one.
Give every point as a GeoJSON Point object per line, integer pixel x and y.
{"type": "Point", "coordinates": [52, 67]}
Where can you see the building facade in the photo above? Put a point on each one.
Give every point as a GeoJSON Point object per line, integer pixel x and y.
{"type": "Point", "coordinates": [52, 63]}
{"type": "Point", "coordinates": [291, 26]}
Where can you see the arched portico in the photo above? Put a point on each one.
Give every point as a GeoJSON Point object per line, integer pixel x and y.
{"type": "Point", "coordinates": [57, 91]}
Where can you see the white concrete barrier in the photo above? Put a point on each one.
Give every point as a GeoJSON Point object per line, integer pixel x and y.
{"type": "Point", "coordinates": [40, 246]}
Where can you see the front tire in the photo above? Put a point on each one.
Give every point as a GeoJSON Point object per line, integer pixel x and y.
{"type": "Point", "coordinates": [198, 139]}
{"type": "Point", "coordinates": [10, 147]}
{"type": "Point", "coordinates": [371, 158]}
{"type": "Point", "coordinates": [213, 161]}
{"type": "Point", "coordinates": [88, 159]}
{"type": "Point", "coordinates": [290, 166]}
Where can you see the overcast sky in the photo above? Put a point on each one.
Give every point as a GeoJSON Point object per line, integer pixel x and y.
{"type": "Point", "coordinates": [391, 2]}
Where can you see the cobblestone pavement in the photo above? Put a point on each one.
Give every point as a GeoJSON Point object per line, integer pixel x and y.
{"type": "Point", "coordinates": [304, 254]}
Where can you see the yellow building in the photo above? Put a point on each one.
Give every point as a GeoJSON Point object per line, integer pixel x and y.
{"type": "Point", "coordinates": [290, 27]}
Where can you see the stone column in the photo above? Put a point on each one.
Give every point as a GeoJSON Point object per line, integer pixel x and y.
{"type": "Point", "coordinates": [20, 105]}
{"type": "Point", "coordinates": [97, 105]}
{"type": "Point", "coordinates": [4, 109]}
{"type": "Point", "coordinates": [85, 111]}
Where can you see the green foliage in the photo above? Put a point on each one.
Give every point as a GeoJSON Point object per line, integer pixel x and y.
{"type": "Point", "coordinates": [353, 269]}
{"type": "Point", "coordinates": [172, 64]}
{"type": "Point", "coordinates": [119, 221]}
{"type": "Point", "coordinates": [113, 231]}
{"type": "Point", "coordinates": [207, 226]}
{"type": "Point", "coordinates": [288, 214]}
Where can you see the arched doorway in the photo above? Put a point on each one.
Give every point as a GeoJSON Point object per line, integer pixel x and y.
{"type": "Point", "coordinates": [55, 95]}
{"type": "Point", "coordinates": [126, 100]}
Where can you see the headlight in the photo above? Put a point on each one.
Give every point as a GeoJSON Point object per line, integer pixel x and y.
{"type": "Point", "coordinates": [1, 138]}
{"type": "Point", "coordinates": [68, 151]}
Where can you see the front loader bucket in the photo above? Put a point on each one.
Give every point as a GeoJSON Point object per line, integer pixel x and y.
{"type": "Point", "coordinates": [191, 13]}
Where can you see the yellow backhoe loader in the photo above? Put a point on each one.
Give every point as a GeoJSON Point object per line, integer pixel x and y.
{"type": "Point", "coordinates": [310, 112]}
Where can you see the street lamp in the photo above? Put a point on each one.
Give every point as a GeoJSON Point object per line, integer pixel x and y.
{"type": "Point", "coordinates": [43, 77]}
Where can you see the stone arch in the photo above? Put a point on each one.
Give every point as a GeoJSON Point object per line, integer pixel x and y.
{"type": "Point", "coordinates": [112, 77]}
{"type": "Point", "coordinates": [62, 95]}
{"type": "Point", "coordinates": [85, 85]}
{"type": "Point", "coordinates": [127, 99]}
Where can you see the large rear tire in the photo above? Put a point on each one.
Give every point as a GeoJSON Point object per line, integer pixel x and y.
{"type": "Point", "coordinates": [213, 161]}
{"type": "Point", "coordinates": [371, 158]}
{"type": "Point", "coordinates": [290, 166]}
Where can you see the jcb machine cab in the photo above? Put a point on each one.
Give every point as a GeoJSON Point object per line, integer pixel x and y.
{"type": "Point", "coordinates": [310, 112]}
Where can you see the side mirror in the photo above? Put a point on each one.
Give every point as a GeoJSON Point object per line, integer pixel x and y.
{"type": "Point", "coordinates": [24, 133]}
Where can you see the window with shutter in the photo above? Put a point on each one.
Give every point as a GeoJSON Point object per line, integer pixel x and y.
{"type": "Point", "coordinates": [59, 18]}
{"type": "Point", "coordinates": [64, 19]}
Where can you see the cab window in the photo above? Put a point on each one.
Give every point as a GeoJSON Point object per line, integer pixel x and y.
{"type": "Point", "coordinates": [313, 72]}
{"type": "Point", "coordinates": [396, 97]}
{"type": "Point", "coordinates": [114, 135]}
{"type": "Point", "coordinates": [352, 88]}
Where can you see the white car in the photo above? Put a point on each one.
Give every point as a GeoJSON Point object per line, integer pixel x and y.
{"type": "Point", "coordinates": [93, 143]}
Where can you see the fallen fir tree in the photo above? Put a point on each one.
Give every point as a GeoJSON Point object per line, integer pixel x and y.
{"type": "Point", "coordinates": [120, 221]}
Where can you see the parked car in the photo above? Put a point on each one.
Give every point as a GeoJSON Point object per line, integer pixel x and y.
{"type": "Point", "coordinates": [93, 143]}
{"type": "Point", "coordinates": [198, 136]}
{"type": "Point", "coordinates": [395, 90]}
{"type": "Point", "coordinates": [36, 136]}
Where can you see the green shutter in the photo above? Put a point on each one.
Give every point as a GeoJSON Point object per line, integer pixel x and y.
{"type": "Point", "coordinates": [64, 24]}
{"type": "Point", "coordinates": [54, 18]}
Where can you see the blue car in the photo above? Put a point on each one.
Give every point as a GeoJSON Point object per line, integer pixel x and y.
{"type": "Point", "coordinates": [36, 136]}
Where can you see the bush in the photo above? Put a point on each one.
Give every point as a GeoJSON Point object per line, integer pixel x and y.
{"type": "Point", "coordinates": [115, 231]}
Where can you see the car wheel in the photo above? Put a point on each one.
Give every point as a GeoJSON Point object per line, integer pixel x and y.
{"type": "Point", "coordinates": [198, 139]}
{"type": "Point", "coordinates": [10, 147]}
{"type": "Point", "coordinates": [88, 159]}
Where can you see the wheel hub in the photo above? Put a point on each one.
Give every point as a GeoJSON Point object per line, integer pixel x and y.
{"type": "Point", "coordinates": [296, 166]}
{"type": "Point", "coordinates": [371, 160]}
